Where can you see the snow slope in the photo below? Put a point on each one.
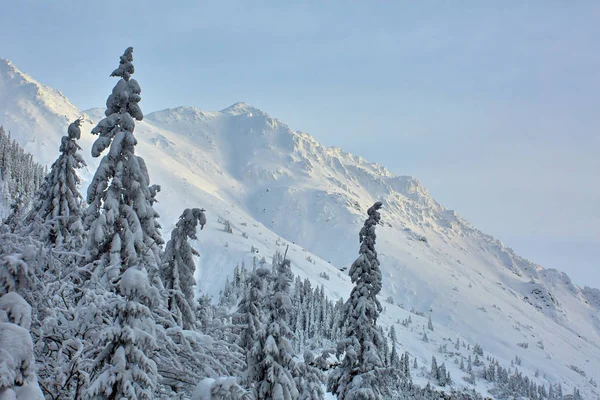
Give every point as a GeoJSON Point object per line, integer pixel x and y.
{"type": "Point", "coordinates": [280, 187]}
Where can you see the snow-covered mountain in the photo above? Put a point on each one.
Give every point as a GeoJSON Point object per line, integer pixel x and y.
{"type": "Point", "coordinates": [277, 187]}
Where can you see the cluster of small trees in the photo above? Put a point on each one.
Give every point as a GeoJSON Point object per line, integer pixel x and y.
{"type": "Point", "coordinates": [507, 383]}
{"type": "Point", "coordinates": [439, 373]}
{"type": "Point", "coordinates": [512, 383]}
{"type": "Point", "coordinates": [20, 176]}
{"type": "Point", "coordinates": [316, 320]}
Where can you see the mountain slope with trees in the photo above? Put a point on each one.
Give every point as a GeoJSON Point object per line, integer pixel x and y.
{"type": "Point", "coordinates": [266, 187]}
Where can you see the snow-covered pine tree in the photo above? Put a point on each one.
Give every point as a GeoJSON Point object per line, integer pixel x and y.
{"type": "Point", "coordinates": [559, 390]}
{"type": "Point", "coordinates": [276, 373]}
{"type": "Point", "coordinates": [406, 365]}
{"type": "Point", "coordinates": [178, 267]}
{"type": "Point", "coordinates": [394, 358]}
{"type": "Point", "coordinates": [17, 211]}
{"type": "Point", "coordinates": [252, 313]}
{"type": "Point", "coordinates": [385, 349]}
{"type": "Point", "coordinates": [58, 205]}
{"type": "Point", "coordinates": [442, 375]}
{"type": "Point", "coordinates": [123, 249]}
{"type": "Point", "coordinates": [227, 296]}
{"type": "Point", "coordinates": [357, 376]}
{"type": "Point", "coordinates": [434, 368]}
{"type": "Point", "coordinates": [4, 153]}
{"type": "Point", "coordinates": [123, 231]}
{"type": "Point", "coordinates": [299, 327]}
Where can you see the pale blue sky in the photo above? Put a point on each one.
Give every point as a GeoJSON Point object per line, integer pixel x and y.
{"type": "Point", "coordinates": [493, 106]}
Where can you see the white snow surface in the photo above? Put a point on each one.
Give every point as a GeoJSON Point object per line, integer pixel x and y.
{"type": "Point", "coordinates": [17, 364]}
{"type": "Point", "coordinates": [29, 391]}
{"type": "Point", "coordinates": [134, 283]}
{"type": "Point", "coordinates": [18, 311]}
{"type": "Point", "coordinates": [203, 389]}
{"type": "Point", "coordinates": [280, 187]}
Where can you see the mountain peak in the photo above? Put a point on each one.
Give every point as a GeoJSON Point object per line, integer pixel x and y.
{"type": "Point", "coordinates": [6, 63]}
{"type": "Point", "coordinates": [9, 72]}
{"type": "Point", "coordinates": [189, 115]}
{"type": "Point", "coordinates": [241, 108]}
{"type": "Point", "coordinates": [12, 77]}
{"type": "Point", "coordinates": [33, 112]}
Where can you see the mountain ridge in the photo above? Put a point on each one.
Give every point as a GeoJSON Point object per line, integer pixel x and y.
{"type": "Point", "coordinates": [253, 169]}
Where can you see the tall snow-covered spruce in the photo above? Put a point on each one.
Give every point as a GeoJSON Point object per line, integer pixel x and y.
{"type": "Point", "coordinates": [178, 267]}
{"type": "Point", "coordinates": [357, 376]}
{"type": "Point", "coordinates": [123, 231]}
{"type": "Point", "coordinates": [123, 249]}
{"type": "Point", "coordinates": [58, 206]}
{"type": "Point", "coordinates": [278, 372]}
{"type": "Point", "coordinates": [252, 312]}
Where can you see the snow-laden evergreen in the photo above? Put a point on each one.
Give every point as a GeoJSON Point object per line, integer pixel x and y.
{"type": "Point", "coordinates": [178, 267]}
{"type": "Point", "coordinates": [252, 312]}
{"type": "Point", "coordinates": [195, 344]}
{"type": "Point", "coordinates": [276, 371]}
{"type": "Point", "coordinates": [58, 206]}
{"type": "Point", "coordinates": [120, 215]}
{"type": "Point", "coordinates": [394, 359]}
{"type": "Point", "coordinates": [357, 377]}
{"type": "Point", "coordinates": [123, 249]}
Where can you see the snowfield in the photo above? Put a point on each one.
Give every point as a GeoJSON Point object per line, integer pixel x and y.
{"type": "Point", "coordinates": [280, 189]}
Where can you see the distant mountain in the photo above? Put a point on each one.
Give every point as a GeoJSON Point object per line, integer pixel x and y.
{"type": "Point", "coordinates": [278, 186]}
{"type": "Point", "coordinates": [33, 112]}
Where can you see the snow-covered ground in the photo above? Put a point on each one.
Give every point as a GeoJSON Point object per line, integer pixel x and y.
{"type": "Point", "coordinates": [279, 187]}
